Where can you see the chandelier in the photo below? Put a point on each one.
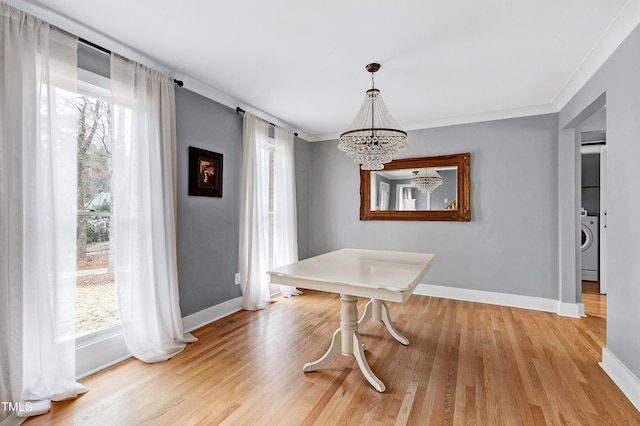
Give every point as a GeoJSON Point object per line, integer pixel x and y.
{"type": "Point", "coordinates": [374, 137]}
{"type": "Point", "coordinates": [426, 180]}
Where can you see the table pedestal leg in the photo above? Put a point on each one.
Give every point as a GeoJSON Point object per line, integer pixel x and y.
{"type": "Point", "coordinates": [336, 346]}
{"type": "Point", "coordinates": [377, 310]}
{"type": "Point", "coordinates": [347, 340]}
{"type": "Point", "coordinates": [364, 365]}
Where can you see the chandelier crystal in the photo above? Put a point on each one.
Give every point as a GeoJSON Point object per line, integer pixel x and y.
{"type": "Point", "coordinates": [374, 137]}
{"type": "Point", "coordinates": [426, 180]}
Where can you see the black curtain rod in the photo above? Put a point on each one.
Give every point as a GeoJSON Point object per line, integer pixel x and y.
{"type": "Point", "coordinates": [240, 110]}
{"type": "Point", "coordinates": [179, 83]}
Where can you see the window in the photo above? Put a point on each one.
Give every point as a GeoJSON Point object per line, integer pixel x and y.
{"type": "Point", "coordinates": [96, 304]}
{"type": "Point", "coordinates": [270, 158]}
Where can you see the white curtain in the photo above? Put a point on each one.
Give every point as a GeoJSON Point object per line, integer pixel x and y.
{"type": "Point", "coordinates": [38, 79]}
{"type": "Point", "coordinates": [144, 211]}
{"type": "Point", "coordinates": [285, 221]}
{"type": "Point", "coordinates": [254, 214]}
{"type": "Point", "coordinates": [268, 238]}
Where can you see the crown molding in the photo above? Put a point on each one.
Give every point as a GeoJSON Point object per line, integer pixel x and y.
{"type": "Point", "coordinates": [625, 22]}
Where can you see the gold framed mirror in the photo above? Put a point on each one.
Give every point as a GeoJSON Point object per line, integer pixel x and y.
{"type": "Point", "coordinates": [428, 188]}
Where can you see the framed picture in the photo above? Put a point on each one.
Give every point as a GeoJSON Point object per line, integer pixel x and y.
{"type": "Point", "coordinates": [205, 172]}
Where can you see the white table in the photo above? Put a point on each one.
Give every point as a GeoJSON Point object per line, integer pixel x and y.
{"type": "Point", "coordinates": [378, 275]}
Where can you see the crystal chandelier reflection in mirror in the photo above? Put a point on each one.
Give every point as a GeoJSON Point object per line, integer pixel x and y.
{"type": "Point", "coordinates": [374, 137]}
{"type": "Point", "coordinates": [426, 180]}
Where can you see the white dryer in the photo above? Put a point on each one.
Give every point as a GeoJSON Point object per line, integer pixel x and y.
{"type": "Point", "coordinates": [589, 248]}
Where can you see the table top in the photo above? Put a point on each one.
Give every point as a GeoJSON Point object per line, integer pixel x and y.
{"type": "Point", "coordinates": [385, 275]}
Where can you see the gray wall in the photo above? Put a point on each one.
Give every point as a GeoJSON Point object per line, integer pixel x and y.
{"type": "Point", "coordinates": [618, 78]}
{"type": "Point", "coordinates": [301, 152]}
{"type": "Point", "coordinates": [510, 245]}
{"type": "Point", "coordinates": [207, 226]}
{"type": "Point", "coordinates": [93, 60]}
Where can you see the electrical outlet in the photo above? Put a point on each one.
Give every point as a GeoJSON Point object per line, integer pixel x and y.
{"type": "Point", "coordinates": [237, 279]}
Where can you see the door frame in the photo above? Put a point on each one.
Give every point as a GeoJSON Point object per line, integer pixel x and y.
{"type": "Point", "coordinates": [602, 224]}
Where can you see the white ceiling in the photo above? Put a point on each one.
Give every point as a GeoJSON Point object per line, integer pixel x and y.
{"type": "Point", "coordinates": [301, 63]}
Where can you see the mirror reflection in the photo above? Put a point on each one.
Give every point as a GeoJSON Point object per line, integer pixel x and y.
{"type": "Point", "coordinates": [432, 188]}
{"type": "Point", "coordinates": [426, 188]}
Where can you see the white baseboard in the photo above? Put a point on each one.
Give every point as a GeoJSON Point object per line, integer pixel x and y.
{"type": "Point", "coordinates": [572, 310]}
{"type": "Point", "coordinates": [581, 310]}
{"type": "Point", "coordinates": [209, 315]}
{"type": "Point", "coordinates": [502, 299]}
{"type": "Point", "coordinates": [628, 383]}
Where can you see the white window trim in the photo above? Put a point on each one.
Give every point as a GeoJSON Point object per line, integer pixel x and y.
{"type": "Point", "coordinates": [92, 84]}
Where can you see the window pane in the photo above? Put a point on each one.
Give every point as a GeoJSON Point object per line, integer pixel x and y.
{"type": "Point", "coordinates": [96, 305]}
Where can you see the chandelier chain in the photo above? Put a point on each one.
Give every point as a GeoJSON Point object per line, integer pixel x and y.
{"type": "Point", "coordinates": [374, 137]}
{"type": "Point", "coordinates": [373, 107]}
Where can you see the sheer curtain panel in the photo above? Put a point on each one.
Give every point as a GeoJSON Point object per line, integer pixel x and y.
{"type": "Point", "coordinates": [268, 225]}
{"type": "Point", "coordinates": [285, 221]}
{"type": "Point", "coordinates": [254, 214]}
{"type": "Point", "coordinates": [144, 211]}
{"type": "Point", "coordinates": [38, 134]}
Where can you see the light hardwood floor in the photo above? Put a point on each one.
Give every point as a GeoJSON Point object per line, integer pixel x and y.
{"type": "Point", "coordinates": [467, 363]}
{"type": "Point", "coordinates": [595, 303]}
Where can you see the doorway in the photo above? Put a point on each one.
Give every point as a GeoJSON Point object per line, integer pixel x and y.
{"type": "Point", "coordinates": [593, 215]}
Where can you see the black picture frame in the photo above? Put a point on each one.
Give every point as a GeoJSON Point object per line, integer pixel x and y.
{"type": "Point", "coordinates": [205, 172]}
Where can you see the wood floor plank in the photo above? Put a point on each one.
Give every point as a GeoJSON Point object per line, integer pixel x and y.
{"type": "Point", "coordinates": [595, 303]}
{"type": "Point", "coordinates": [466, 364]}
